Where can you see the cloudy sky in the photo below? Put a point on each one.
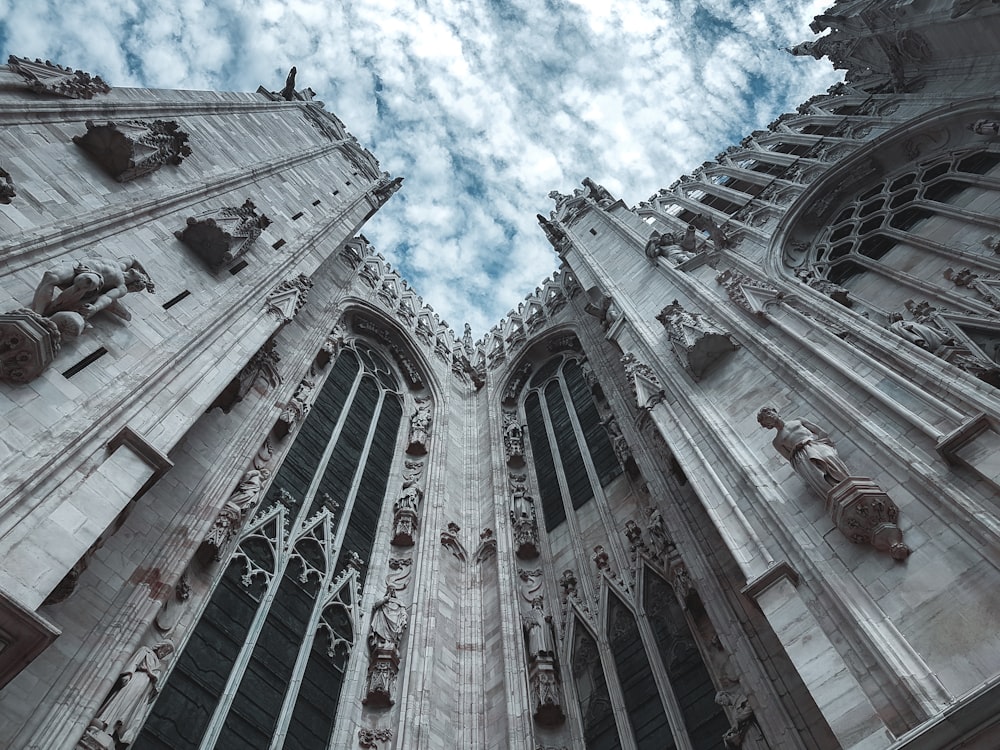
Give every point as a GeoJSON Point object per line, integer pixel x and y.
{"type": "Point", "coordinates": [484, 106]}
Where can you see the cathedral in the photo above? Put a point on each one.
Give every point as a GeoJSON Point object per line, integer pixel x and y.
{"type": "Point", "coordinates": [729, 478]}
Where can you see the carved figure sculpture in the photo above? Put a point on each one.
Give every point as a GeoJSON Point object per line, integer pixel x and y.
{"type": "Point", "coordinates": [537, 630]}
{"type": "Point", "coordinates": [235, 511]}
{"type": "Point", "coordinates": [7, 189]}
{"type": "Point", "coordinates": [404, 524]}
{"type": "Point", "coordinates": [598, 193]}
{"type": "Point", "coordinates": [388, 622]}
{"type": "Point", "coordinates": [420, 427]}
{"type": "Point", "coordinates": [91, 285]}
{"type": "Point", "coordinates": [859, 508]}
{"type": "Point", "coordinates": [923, 335]}
{"type": "Point", "coordinates": [808, 448]}
{"type": "Point", "coordinates": [658, 538]}
{"type": "Point", "coordinates": [513, 440]}
{"type": "Point", "coordinates": [288, 93]}
{"type": "Point", "coordinates": [122, 713]}
{"type": "Point", "coordinates": [667, 246]}
{"type": "Point", "coordinates": [743, 716]}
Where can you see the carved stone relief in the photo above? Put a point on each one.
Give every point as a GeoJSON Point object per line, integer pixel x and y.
{"type": "Point", "coordinates": [860, 510]}
{"type": "Point", "coordinates": [487, 546]}
{"type": "Point", "coordinates": [46, 77]}
{"type": "Point", "coordinates": [372, 738]}
{"type": "Point", "coordinates": [741, 715]}
{"type": "Point", "coordinates": [132, 148]}
{"type": "Point", "coordinates": [219, 237]}
{"type": "Point", "coordinates": [930, 331]}
{"type": "Point", "coordinates": [331, 346]}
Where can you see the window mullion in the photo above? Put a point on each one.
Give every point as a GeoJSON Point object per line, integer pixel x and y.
{"type": "Point", "coordinates": [358, 473]}
{"type": "Point", "coordinates": [625, 732]}
{"type": "Point", "coordinates": [305, 648]}
{"type": "Point", "coordinates": [557, 462]}
{"type": "Point", "coordinates": [671, 705]}
{"type": "Point", "coordinates": [282, 555]}
{"type": "Point", "coordinates": [331, 445]}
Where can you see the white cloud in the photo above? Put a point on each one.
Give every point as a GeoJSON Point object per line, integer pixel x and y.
{"type": "Point", "coordinates": [484, 107]}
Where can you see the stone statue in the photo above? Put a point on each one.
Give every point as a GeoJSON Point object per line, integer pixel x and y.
{"type": "Point", "coordinates": [288, 93]}
{"type": "Point", "coordinates": [536, 628]}
{"type": "Point", "coordinates": [808, 448]}
{"type": "Point", "coordinates": [667, 246]}
{"type": "Point", "coordinates": [420, 428]}
{"type": "Point", "coordinates": [513, 440]}
{"type": "Point", "coordinates": [122, 713]}
{"type": "Point", "coordinates": [598, 193]}
{"type": "Point", "coordinates": [90, 285]}
{"type": "Point", "coordinates": [743, 716]}
{"type": "Point", "coordinates": [658, 537]}
{"type": "Point", "coordinates": [388, 623]}
{"type": "Point", "coordinates": [923, 335]}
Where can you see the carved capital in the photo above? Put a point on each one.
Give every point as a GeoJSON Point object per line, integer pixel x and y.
{"type": "Point", "coordinates": [132, 148]}
{"type": "Point", "coordinates": [49, 78]}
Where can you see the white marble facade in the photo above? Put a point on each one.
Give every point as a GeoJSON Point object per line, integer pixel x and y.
{"type": "Point", "coordinates": [842, 269]}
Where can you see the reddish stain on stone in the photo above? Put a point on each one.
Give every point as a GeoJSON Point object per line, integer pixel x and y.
{"type": "Point", "coordinates": [151, 577]}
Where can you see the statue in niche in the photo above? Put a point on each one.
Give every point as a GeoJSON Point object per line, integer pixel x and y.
{"type": "Point", "coordinates": [420, 427]}
{"type": "Point", "coordinates": [404, 524]}
{"type": "Point", "coordinates": [513, 440]}
{"type": "Point", "coordinates": [88, 286]}
{"type": "Point", "coordinates": [122, 713]}
{"type": "Point", "coordinates": [388, 623]}
{"type": "Point", "coordinates": [807, 448]}
{"type": "Point", "coordinates": [235, 510]}
{"type": "Point", "coordinates": [537, 631]}
{"type": "Point", "coordinates": [658, 537]}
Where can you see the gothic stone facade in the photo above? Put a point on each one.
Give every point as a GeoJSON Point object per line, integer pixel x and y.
{"type": "Point", "coordinates": [728, 479]}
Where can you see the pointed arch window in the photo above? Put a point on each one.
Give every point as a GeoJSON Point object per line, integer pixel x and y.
{"type": "Point", "coordinates": [645, 662]}
{"type": "Point", "coordinates": [573, 456]}
{"type": "Point", "coordinates": [265, 664]}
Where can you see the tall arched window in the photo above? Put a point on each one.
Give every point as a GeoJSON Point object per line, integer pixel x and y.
{"type": "Point", "coordinates": [658, 679]}
{"type": "Point", "coordinates": [573, 457]}
{"type": "Point", "coordinates": [265, 664]}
